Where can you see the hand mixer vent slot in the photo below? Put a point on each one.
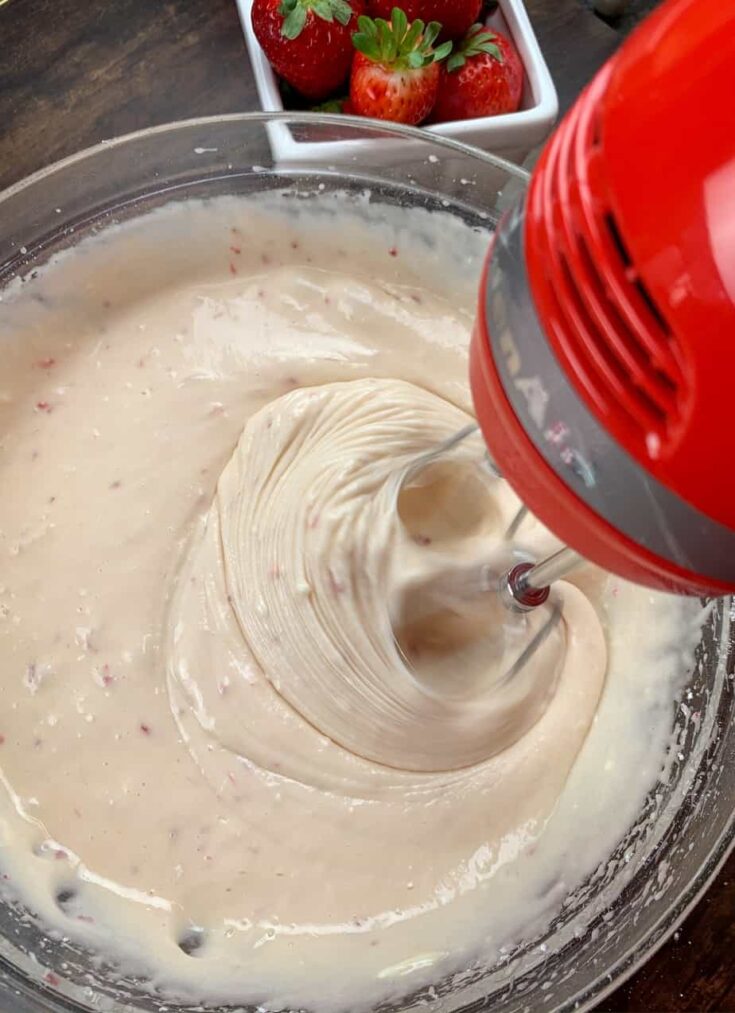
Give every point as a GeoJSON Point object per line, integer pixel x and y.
{"type": "Point", "coordinates": [654, 310]}
{"type": "Point", "coordinates": [605, 325]}
{"type": "Point", "coordinates": [612, 228]}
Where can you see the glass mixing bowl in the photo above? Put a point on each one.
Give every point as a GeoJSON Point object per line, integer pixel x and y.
{"type": "Point", "coordinates": [634, 901]}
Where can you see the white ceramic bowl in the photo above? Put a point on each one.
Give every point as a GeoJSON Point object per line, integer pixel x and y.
{"type": "Point", "coordinates": [512, 136]}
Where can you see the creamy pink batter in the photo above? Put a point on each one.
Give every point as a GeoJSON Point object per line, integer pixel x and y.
{"type": "Point", "coordinates": [211, 748]}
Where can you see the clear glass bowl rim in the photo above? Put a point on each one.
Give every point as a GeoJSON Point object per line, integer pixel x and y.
{"type": "Point", "coordinates": [315, 119]}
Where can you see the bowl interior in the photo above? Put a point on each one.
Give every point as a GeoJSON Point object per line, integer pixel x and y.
{"type": "Point", "coordinates": [612, 921]}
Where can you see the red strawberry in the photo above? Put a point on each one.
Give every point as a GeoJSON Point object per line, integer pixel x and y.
{"type": "Point", "coordinates": [395, 72]}
{"type": "Point", "coordinates": [308, 42]}
{"type": "Point", "coordinates": [384, 8]}
{"type": "Point", "coordinates": [455, 16]}
{"type": "Point", "coordinates": [483, 77]}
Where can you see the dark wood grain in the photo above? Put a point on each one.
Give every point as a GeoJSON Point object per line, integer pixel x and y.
{"type": "Point", "coordinates": [574, 42]}
{"type": "Point", "coordinates": [73, 72]}
{"type": "Point", "coordinates": [695, 971]}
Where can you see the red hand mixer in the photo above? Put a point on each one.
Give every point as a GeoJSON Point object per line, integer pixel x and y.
{"type": "Point", "coordinates": [603, 357]}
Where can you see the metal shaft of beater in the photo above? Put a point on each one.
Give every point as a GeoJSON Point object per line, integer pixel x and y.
{"type": "Point", "coordinates": [526, 586]}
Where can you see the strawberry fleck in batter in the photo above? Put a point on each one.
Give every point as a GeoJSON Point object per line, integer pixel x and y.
{"type": "Point", "coordinates": [214, 758]}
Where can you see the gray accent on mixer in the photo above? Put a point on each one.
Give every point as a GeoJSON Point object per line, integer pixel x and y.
{"type": "Point", "coordinates": [571, 440]}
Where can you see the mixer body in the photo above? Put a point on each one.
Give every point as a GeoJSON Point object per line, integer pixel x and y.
{"type": "Point", "coordinates": [603, 357]}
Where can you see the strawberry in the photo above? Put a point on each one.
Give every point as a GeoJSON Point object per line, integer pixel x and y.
{"type": "Point", "coordinates": [483, 77]}
{"type": "Point", "coordinates": [455, 16]}
{"type": "Point", "coordinates": [384, 8]}
{"type": "Point", "coordinates": [308, 42]}
{"type": "Point", "coordinates": [395, 72]}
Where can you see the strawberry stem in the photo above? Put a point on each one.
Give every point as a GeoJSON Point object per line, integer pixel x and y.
{"type": "Point", "coordinates": [295, 12]}
{"type": "Point", "coordinates": [398, 45]}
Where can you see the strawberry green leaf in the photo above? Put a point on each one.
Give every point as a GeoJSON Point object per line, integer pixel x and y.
{"type": "Point", "coordinates": [367, 25]}
{"type": "Point", "coordinates": [385, 39]}
{"type": "Point", "coordinates": [432, 30]}
{"type": "Point", "coordinates": [442, 52]}
{"type": "Point", "coordinates": [366, 45]}
{"type": "Point", "coordinates": [477, 41]}
{"type": "Point", "coordinates": [294, 22]}
{"type": "Point", "coordinates": [412, 35]}
{"type": "Point", "coordinates": [398, 45]}
{"type": "Point", "coordinates": [332, 105]}
{"type": "Point", "coordinates": [295, 12]}
{"type": "Point", "coordinates": [399, 21]}
{"type": "Point", "coordinates": [342, 11]}
{"type": "Point", "coordinates": [323, 9]}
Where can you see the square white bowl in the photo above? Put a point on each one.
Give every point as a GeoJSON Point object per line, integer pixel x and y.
{"type": "Point", "coordinates": [512, 135]}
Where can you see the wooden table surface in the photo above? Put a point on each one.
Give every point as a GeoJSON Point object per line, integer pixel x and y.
{"type": "Point", "coordinates": [73, 72]}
